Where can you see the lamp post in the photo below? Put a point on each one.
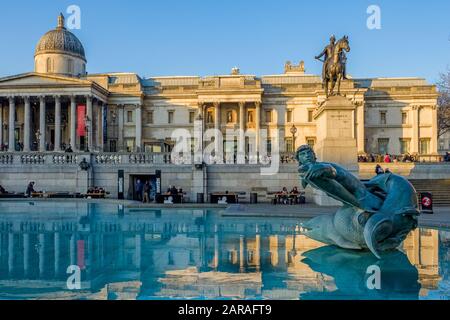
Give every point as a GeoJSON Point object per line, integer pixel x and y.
{"type": "Point", "coordinates": [293, 132]}
{"type": "Point", "coordinates": [200, 143]}
{"type": "Point", "coordinates": [88, 124]}
{"type": "Point", "coordinates": [113, 120]}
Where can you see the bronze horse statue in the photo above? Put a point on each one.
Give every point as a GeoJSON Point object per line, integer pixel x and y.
{"type": "Point", "coordinates": [335, 67]}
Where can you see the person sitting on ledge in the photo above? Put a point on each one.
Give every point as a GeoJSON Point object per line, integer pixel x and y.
{"type": "Point", "coordinates": [379, 169]}
{"type": "Point", "coordinates": [30, 189]}
{"type": "Point", "coordinates": [447, 157]}
{"type": "Point", "coordinates": [174, 190]}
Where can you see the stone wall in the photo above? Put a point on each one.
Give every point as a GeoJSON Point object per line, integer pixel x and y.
{"type": "Point", "coordinates": [232, 178]}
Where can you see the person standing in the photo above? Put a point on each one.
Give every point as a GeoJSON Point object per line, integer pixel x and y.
{"type": "Point", "coordinates": [146, 193]}
{"type": "Point", "coordinates": [138, 190]}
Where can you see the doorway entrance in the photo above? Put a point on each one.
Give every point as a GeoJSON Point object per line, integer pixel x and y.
{"type": "Point", "coordinates": [142, 178]}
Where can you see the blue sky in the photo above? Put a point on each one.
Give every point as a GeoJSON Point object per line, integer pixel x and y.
{"type": "Point", "coordinates": [199, 37]}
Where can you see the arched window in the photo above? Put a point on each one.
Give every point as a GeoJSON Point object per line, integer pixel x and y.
{"type": "Point", "coordinates": [49, 65]}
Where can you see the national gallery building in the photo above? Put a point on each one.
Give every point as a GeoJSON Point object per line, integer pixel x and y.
{"type": "Point", "coordinates": [60, 104]}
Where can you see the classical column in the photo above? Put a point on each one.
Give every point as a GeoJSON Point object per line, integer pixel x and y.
{"type": "Point", "coordinates": [241, 143]}
{"type": "Point", "coordinates": [216, 260]}
{"type": "Point", "coordinates": [257, 125]}
{"type": "Point", "coordinates": [57, 146]}
{"type": "Point", "coordinates": [434, 130]}
{"type": "Point", "coordinates": [103, 135]}
{"type": "Point", "coordinates": [11, 252]}
{"type": "Point", "coordinates": [258, 252]}
{"type": "Point", "coordinates": [120, 110]}
{"type": "Point", "coordinates": [138, 128]}
{"type": "Point", "coordinates": [27, 125]}
{"type": "Point", "coordinates": [73, 249]}
{"type": "Point", "coordinates": [242, 253]}
{"type": "Point", "coordinates": [138, 252]}
{"type": "Point", "coordinates": [89, 122]}
{"type": "Point", "coordinates": [1, 124]}
{"type": "Point", "coordinates": [98, 125]}
{"type": "Point", "coordinates": [415, 130]}
{"type": "Point", "coordinates": [42, 129]}
{"type": "Point", "coordinates": [360, 135]}
{"type": "Point", "coordinates": [41, 252]}
{"type": "Point", "coordinates": [73, 123]}
{"type": "Point", "coordinates": [217, 133]}
{"type": "Point", "coordinates": [26, 254]}
{"type": "Point", "coordinates": [12, 124]}
{"type": "Point", "coordinates": [57, 244]}
{"type": "Point", "coordinates": [281, 252]}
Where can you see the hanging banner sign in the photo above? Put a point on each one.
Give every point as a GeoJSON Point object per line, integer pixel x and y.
{"type": "Point", "coordinates": [81, 120]}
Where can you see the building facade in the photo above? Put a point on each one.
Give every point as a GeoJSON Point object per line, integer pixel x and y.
{"type": "Point", "coordinates": [59, 104]}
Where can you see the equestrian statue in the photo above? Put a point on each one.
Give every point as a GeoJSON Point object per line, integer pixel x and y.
{"type": "Point", "coordinates": [334, 64]}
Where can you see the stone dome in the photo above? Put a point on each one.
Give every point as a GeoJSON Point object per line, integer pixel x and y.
{"type": "Point", "coordinates": [60, 40]}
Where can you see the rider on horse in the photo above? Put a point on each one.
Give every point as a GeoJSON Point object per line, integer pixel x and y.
{"type": "Point", "coordinates": [327, 53]}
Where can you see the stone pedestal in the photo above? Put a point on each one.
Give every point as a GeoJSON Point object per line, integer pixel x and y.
{"type": "Point", "coordinates": [198, 181]}
{"type": "Point", "coordinates": [336, 138]}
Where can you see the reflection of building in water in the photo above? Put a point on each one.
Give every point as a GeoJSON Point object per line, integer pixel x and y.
{"type": "Point", "coordinates": [422, 249]}
{"type": "Point", "coordinates": [162, 254]}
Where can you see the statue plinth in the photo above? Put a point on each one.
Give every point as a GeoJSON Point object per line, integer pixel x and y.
{"type": "Point", "coordinates": [336, 140]}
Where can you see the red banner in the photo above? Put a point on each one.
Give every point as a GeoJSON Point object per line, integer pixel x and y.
{"type": "Point", "coordinates": [81, 120]}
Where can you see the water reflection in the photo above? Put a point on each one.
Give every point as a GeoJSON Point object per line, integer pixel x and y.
{"type": "Point", "coordinates": [351, 273]}
{"type": "Point", "coordinates": [153, 254]}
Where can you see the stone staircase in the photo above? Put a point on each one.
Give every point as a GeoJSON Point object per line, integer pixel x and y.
{"type": "Point", "coordinates": [440, 188]}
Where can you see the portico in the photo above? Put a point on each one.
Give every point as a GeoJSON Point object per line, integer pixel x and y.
{"type": "Point", "coordinates": [41, 113]}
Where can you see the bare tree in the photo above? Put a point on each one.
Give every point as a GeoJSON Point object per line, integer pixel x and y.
{"type": "Point", "coordinates": [443, 86]}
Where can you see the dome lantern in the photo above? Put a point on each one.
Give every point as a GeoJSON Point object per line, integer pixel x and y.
{"type": "Point", "coordinates": [59, 51]}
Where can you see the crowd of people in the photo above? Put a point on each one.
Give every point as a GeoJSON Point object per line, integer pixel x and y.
{"type": "Point", "coordinates": [286, 197]}
{"type": "Point", "coordinates": [35, 147]}
{"type": "Point", "coordinates": [386, 158]}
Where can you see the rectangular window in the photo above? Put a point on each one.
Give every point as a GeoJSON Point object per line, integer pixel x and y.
{"type": "Point", "coordinates": [129, 143]}
{"type": "Point", "coordinates": [150, 117]}
{"type": "Point", "coordinates": [404, 146]}
{"type": "Point", "coordinates": [268, 116]}
{"type": "Point", "coordinates": [382, 117]}
{"type": "Point", "coordinates": [383, 145]}
{"type": "Point", "coordinates": [404, 118]}
{"type": "Point", "coordinates": [250, 116]}
{"type": "Point", "coordinates": [209, 117]}
{"type": "Point", "coordinates": [269, 145]}
{"type": "Point", "coordinates": [424, 146]}
{"type": "Point", "coordinates": [112, 145]}
{"type": "Point", "coordinates": [289, 145]}
{"type": "Point", "coordinates": [229, 116]}
{"type": "Point", "coordinates": [170, 117]}
{"type": "Point", "coordinates": [311, 142]}
{"type": "Point", "coordinates": [310, 116]}
{"type": "Point", "coordinates": [191, 116]}
{"type": "Point", "coordinates": [129, 116]}
{"type": "Point", "coordinates": [289, 116]}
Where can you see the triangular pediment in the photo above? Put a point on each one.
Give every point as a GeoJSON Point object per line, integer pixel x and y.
{"type": "Point", "coordinates": [38, 79]}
